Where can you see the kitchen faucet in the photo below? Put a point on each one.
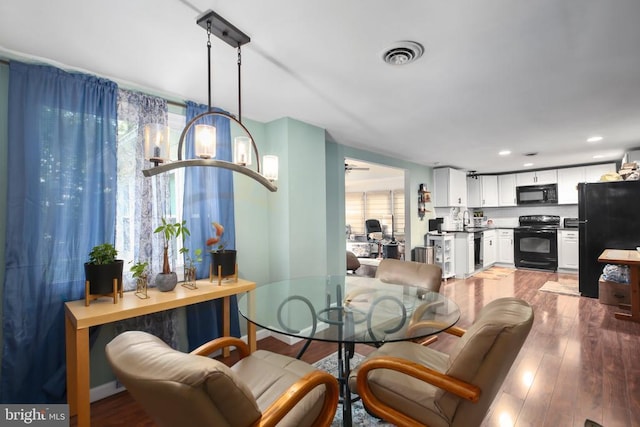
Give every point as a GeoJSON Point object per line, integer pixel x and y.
{"type": "Point", "coordinates": [466, 220]}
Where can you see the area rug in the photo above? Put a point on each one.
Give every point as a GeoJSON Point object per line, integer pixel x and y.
{"type": "Point", "coordinates": [494, 273]}
{"type": "Point", "coordinates": [360, 417]}
{"type": "Point", "coordinates": [563, 288]}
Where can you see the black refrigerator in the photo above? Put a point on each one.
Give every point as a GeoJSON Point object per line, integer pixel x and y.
{"type": "Point", "coordinates": [609, 218]}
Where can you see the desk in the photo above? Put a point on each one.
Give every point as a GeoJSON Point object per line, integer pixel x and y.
{"type": "Point", "coordinates": [78, 319]}
{"type": "Point", "coordinates": [632, 259]}
{"type": "Point", "coordinates": [348, 310]}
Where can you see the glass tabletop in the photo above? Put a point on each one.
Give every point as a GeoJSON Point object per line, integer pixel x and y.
{"type": "Point", "coordinates": [348, 309]}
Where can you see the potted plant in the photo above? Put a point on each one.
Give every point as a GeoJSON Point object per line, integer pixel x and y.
{"type": "Point", "coordinates": [223, 261]}
{"type": "Point", "coordinates": [141, 275]}
{"type": "Point", "coordinates": [190, 266]}
{"type": "Point", "coordinates": [167, 279]}
{"type": "Point", "coordinates": [102, 268]}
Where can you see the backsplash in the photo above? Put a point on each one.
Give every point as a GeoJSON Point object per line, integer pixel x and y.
{"type": "Point", "coordinates": [508, 216]}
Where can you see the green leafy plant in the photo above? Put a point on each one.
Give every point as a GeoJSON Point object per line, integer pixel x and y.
{"type": "Point", "coordinates": [139, 269]}
{"type": "Point", "coordinates": [170, 231]}
{"type": "Point", "coordinates": [103, 254]}
{"type": "Point", "coordinates": [189, 261]}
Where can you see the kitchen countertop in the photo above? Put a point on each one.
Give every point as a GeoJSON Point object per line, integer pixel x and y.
{"type": "Point", "coordinates": [471, 230]}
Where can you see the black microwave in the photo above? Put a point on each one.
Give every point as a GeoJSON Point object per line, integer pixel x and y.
{"type": "Point", "coordinates": [537, 194]}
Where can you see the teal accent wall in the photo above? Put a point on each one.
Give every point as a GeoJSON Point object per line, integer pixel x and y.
{"type": "Point", "coordinates": [297, 222]}
{"type": "Point", "coordinates": [252, 207]}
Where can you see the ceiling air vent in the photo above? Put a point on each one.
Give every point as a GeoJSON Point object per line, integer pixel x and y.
{"type": "Point", "coordinates": [403, 52]}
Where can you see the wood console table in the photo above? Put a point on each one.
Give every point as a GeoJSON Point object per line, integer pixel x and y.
{"type": "Point", "coordinates": [632, 259]}
{"type": "Point", "coordinates": [78, 319]}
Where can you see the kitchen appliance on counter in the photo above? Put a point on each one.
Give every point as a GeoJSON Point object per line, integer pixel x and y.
{"type": "Point", "coordinates": [608, 219]}
{"type": "Point", "coordinates": [536, 242]}
{"type": "Point", "coordinates": [436, 224]}
{"type": "Point", "coordinates": [537, 194]}
{"type": "Point", "coordinates": [571, 222]}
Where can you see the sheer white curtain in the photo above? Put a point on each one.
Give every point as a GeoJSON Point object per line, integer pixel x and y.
{"type": "Point", "coordinates": [141, 202]}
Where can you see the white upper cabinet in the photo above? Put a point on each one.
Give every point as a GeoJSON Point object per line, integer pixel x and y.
{"type": "Point", "coordinates": [507, 190]}
{"type": "Point", "coordinates": [450, 187]}
{"type": "Point", "coordinates": [482, 191]}
{"type": "Point", "coordinates": [592, 173]}
{"type": "Point", "coordinates": [474, 193]}
{"type": "Point", "coordinates": [489, 190]}
{"type": "Point", "coordinates": [568, 180]}
{"type": "Point", "coordinates": [537, 177]}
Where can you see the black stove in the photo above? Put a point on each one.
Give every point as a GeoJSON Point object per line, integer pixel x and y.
{"type": "Point", "coordinates": [536, 242]}
{"type": "Point", "coordinates": [539, 221]}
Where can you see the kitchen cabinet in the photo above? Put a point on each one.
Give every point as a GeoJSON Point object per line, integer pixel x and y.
{"type": "Point", "coordinates": [592, 173]}
{"type": "Point", "coordinates": [443, 252]}
{"type": "Point", "coordinates": [507, 190]}
{"type": "Point", "coordinates": [474, 193]}
{"type": "Point", "coordinates": [450, 188]}
{"type": "Point", "coordinates": [464, 251]}
{"type": "Point", "coordinates": [568, 179]}
{"type": "Point", "coordinates": [568, 249]}
{"type": "Point", "coordinates": [489, 248]}
{"type": "Point", "coordinates": [505, 246]}
{"type": "Point", "coordinates": [482, 191]}
{"type": "Point", "coordinates": [537, 177]}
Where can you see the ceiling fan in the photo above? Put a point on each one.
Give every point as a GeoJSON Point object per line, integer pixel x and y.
{"type": "Point", "coordinates": [349, 167]}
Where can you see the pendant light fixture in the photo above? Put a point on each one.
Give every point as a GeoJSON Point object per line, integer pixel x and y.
{"type": "Point", "coordinates": [205, 135]}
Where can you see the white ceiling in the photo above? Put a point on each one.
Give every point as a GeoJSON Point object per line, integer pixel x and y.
{"type": "Point", "coordinates": [528, 76]}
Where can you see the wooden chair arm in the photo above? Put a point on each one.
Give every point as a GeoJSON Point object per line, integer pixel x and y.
{"type": "Point", "coordinates": [212, 346]}
{"type": "Point", "coordinates": [290, 398]}
{"type": "Point", "coordinates": [422, 308]}
{"type": "Point", "coordinates": [459, 388]}
{"type": "Point", "coordinates": [454, 330]}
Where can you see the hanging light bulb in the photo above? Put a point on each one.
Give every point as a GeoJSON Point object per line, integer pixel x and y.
{"type": "Point", "coordinates": [205, 141]}
{"type": "Point", "coordinates": [156, 143]}
{"type": "Point", "coordinates": [270, 163]}
{"type": "Point", "coordinates": [242, 150]}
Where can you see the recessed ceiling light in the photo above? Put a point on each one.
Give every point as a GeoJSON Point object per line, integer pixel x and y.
{"type": "Point", "coordinates": [504, 152]}
{"type": "Point", "coordinates": [526, 165]}
{"type": "Point", "coordinates": [595, 138]}
{"type": "Point", "coordinates": [598, 156]}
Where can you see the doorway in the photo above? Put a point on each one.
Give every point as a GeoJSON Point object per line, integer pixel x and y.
{"type": "Point", "coordinates": [374, 191]}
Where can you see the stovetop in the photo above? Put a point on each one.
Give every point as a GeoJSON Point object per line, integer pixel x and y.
{"type": "Point", "coordinates": [539, 221]}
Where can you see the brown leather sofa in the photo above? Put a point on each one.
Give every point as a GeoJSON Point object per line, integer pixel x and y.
{"type": "Point", "coordinates": [188, 389]}
{"type": "Point", "coordinates": [408, 384]}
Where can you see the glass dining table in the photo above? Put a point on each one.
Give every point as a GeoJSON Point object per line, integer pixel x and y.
{"type": "Point", "coordinates": [347, 310]}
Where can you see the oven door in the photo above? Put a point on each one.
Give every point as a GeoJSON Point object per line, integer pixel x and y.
{"type": "Point", "coordinates": [536, 248]}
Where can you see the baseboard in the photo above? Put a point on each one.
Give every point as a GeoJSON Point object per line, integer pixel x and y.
{"type": "Point", "coordinates": [293, 340]}
{"type": "Point", "coordinates": [105, 390]}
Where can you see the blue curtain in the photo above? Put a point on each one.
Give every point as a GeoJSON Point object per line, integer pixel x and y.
{"type": "Point", "coordinates": [61, 202]}
{"type": "Point", "coordinates": [208, 197]}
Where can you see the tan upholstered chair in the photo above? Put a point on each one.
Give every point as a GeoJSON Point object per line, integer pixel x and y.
{"type": "Point", "coordinates": [411, 385]}
{"type": "Point", "coordinates": [261, 389]}
{"type": "Point", "coordinates": [427, 276]}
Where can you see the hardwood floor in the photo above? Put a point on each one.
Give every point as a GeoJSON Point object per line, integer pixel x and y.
{"type": "Point", "coordinates": [578, 362]}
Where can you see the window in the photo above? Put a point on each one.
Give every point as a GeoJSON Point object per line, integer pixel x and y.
{"type": "Point", "coordinates": [385, 206]}
{"type": "Point", "coordinates": [137, 194]}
